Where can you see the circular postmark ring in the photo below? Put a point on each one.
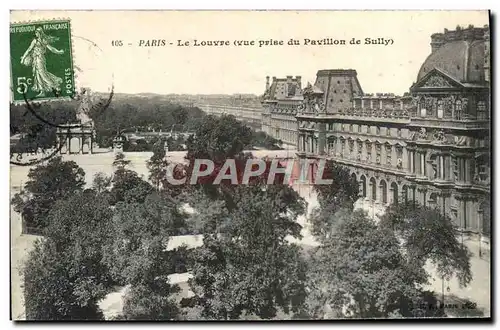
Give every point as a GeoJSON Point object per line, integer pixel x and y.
{"type": "Point", "coordinates": [96, 109]}
{"type": "Point", "coordinates": [37, 161]}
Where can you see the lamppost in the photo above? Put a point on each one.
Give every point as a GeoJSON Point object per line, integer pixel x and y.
{"type": "Point", "coordinates": [442, 288]}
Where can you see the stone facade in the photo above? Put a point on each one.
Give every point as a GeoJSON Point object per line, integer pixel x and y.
{"type": "Point", "coordinates": [76, 139]}
{"type": "Point", "coordinates": [431, 145]}
{"type": "Point", "coordinates": [280, 103]}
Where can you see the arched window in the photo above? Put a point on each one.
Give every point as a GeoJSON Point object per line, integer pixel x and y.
{"type": "Point", "coordinates": [432, 199]}
{"type": "Point", "coordinates": [373, 185]}
{"type": "Point", "coordinates": [395, 193]}
{"type": "Point", "coordinates": [362, 180]}
{"type": "Point", "coordinates": [404, 194]}
{"type": "Point", "coordinates": [383, 191]}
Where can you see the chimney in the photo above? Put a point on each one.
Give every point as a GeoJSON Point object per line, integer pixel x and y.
{"type": "Point", "coordinates": [274, 79]}
{"type": "Point", "coordinates": [299, 81]}
{"type": "Point", "coordinates": [289, 79]}
{"type": "Point", "coordinates": [437, 40]}
{"type": "Point", "coordinates": [267, 83]}
{"type": "Point", "coordinates": [487, 53]}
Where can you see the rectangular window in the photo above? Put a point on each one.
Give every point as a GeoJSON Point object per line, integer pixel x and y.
{"type": "Point", "coordinates": [481, 110]}
{"type": "Point", "coordinates": [442, 168]}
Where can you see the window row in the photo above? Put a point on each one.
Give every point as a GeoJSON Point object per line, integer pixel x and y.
{"type": "Point", "coordinates": [381, 154]}
{"type": "Point", "coordinates": [364, 129]}
{"type": "Point", "coordinates": [285, 124]}
{"type": "Point", "coordinates": [452, 109]}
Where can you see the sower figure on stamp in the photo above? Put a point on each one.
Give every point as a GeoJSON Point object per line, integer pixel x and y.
{"type": "Point", "coordinates": [43, 80]}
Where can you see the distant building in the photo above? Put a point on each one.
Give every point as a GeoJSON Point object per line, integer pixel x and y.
{"type": "Point", "coordinates": [280, 102]}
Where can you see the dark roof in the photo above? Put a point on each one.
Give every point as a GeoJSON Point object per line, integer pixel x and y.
{"type": "Point", "coordinates": [460, 59]}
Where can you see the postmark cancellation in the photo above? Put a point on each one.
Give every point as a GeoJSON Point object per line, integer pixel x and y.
{"type": "Point", "coordinates": [41, 60]}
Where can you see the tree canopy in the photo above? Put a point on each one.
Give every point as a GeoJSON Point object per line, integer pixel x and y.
{"type": "Point", "coordinates": [361, 270]}
{"type": "Point", "coordinates": [246, 266]}
{"type": "Point", "coordinates": [46, 184]}
{"type": "Point", "coordinates": [218, 138]}
{"type": "Point", "coordinates": [65, 276]}
{"type": "Point", "coordinates": [427, 234]}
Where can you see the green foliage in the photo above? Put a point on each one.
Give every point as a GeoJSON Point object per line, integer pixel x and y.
{"type": "Point", "coordinates": [157, 164]}
{"type": "Point", "coordinates": [37, 134]}
{"type": "Point", "coordinates": [137, 256]}
{"type": "Point", "coordinates": [180, 115]}
{"type": "Point", "coordinates": [342, 192]}
{"type": "Point", "coordinates": [150, 303]}
{"type": "Point", "coordinates": [262, 140]}
{"type": "Point", "coordinates": [362, 270]}
{"type": "Point", "coordinates": [46, 184]}
{"type": "Point", "coordinates": [51, 291]}
{"type": "Point", "coordinates": [101, 182]}
{"type": "Point", "coordinates": [427, 234]}
{"type": "Point", "coordinates": [218, 138]}
{"type": "Point", "coordinates": [127, 185]}
{"type": "Point", "coordinates": [246, 265]}
{"type": "Point", "coordinates": [144, 114]}
{"type": "Point", "coordinates": [176, 144]}
{"type": "Point", "coordinates": [65, 276]}
{"type": "Point", "coordinates": [120, 162]}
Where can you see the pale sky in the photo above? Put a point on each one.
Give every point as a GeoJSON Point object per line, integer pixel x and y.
{"type": "Point", "coordinates": [230, 69]}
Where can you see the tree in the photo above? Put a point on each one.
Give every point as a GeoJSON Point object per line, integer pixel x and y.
{"type": "Point", "coordinates": [361, 271]}
{"type": "Point", "coordinates": [150, 303]}
{"type": "Point", "coordinates": [180, 116]}
{"type": "Point", "coordinates": [137, 256]}
{"type": "Point", "coordinates": [427, 234]}
{"type": "Point", "coordinates": [218, 138]}
{"type": "Point", "coordinates": [47, 184]}
{"type": "Point", "coordinates": [101, 182]}
{"type": "Point", "coordinates": [120, 162]}
{"type": "Point", "coordinates": [341, 193]}
{"type": "Point", "coordinates": [35, 133]}
{"type": "Point", "coordinates": [157, 164]}
{"type": "Point", "coordinates": [128, 186]}
{"type": "Point", "coordinates": [246, 265]}
{"type": "Point", "coordinates": [65, 276]}
{"type": "Point", "coordinates": [263, 140]}
{"type": "Point", "coordinates": [49, 288]}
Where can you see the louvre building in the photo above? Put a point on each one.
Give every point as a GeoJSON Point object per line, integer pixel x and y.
{"type": "Point", "coordinates": [430, 145]}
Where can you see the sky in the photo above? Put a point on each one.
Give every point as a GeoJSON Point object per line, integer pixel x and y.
{"type": "Point", "coordinates": [230, 69]}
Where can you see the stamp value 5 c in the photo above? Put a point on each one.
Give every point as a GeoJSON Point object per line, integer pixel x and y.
{"type": "Point", "coordinates": [41, 61]}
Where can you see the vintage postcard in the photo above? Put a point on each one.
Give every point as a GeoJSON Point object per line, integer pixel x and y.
{"type": "Point", "coordinates": [250, 165]}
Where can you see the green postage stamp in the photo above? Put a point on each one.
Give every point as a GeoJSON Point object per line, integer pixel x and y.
{"type": "Point", "coordinates": [41, 61]}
